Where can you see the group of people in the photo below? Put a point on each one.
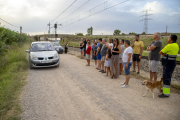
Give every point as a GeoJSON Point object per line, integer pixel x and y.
{"type": "Point", "coordinates": [112, 56]}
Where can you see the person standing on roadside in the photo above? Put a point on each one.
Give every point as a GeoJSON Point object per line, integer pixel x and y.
{"type": "Point", "coordinates": [137, 52]}
{"type": "Point", "coordinates": [93, 48]}
{"type": "Point", "coordinates": [127, 62]}
{"type": "Point", "coordinates": [66, 47]}
{"type": "Point", "coordinates": [154, 56]}
{"type": "Point", "coordinates": [98, 54]}
{"type": "Point", "coordinates": [94, 54]}
{"type": "Point", "coordinates": [85, 42]}
{"type": "Point", "coordinates": [121, 57]}
{"type": "Point", "coordinates": [88, 53]}
{"type": "Point", "coordinates": [169, 55]}
{"type": "Point", "coordinates": [81, 45]}
{"type": "Point", "coordinates": [115, 59]}
{"type": "Point", "coordinates": [103, 54]}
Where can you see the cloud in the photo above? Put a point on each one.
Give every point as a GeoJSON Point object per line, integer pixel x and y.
{"type": "Point", "coordinates": [174, 13]}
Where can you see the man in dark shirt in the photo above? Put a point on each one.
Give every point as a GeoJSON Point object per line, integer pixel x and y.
{"type": "Point", "coordinates": [85, 42]}
{"type": "Point", "coordinates": [154, 56]}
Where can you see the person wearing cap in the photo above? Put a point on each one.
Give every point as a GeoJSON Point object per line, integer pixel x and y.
{"type": "Point", "coordinates": [169, 55]}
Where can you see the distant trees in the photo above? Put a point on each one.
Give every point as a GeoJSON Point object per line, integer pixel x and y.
{"type": "Point", "coordinates": [79, 34]}
{"type": "Point", "coordinates": [143, 33]}
{"type": "Point", "coordinates": [90, 31]}
{"type": "Point", "coordinates": [123, 34]}
{"type": "Point", "coordinates": [116, 32]}
{"type": "Point", "coordinates": [132, 33]}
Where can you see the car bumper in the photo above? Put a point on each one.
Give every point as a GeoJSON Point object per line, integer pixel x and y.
{"type": "Point", "coordinates": [41, 64]}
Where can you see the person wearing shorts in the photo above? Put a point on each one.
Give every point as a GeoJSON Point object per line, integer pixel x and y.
{"type": "Point", "coordinates": [137, 52]}
{"type": "Point", "coordinates": [88, 53]}
{"type": "Point", "coordinates": [127, 62]}
{"type": "Point", "coordinates": [81, 45]}
{"type": "Point", "coordinates": [154, 56]}
{"type": "Point", "coordinates": [103, 54]}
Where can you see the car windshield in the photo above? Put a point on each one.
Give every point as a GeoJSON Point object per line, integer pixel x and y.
{"type": "Point", "coordinates": [42, 47]}
{"type": "Point", "coordinates": [56, 44]}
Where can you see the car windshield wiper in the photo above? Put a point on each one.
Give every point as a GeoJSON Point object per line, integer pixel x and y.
{"type": "Point", "coordinates": [42, 50]}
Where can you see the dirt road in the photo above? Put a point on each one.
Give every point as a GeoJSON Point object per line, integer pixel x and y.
{"type": "Point", "coordinates": [76, 92]}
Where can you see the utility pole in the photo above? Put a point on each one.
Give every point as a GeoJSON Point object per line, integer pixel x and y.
{"type": "Point", "coordinates": [20, 32]}
{"type": "Point", "coordinates": [49, 30]}
{"type": "Point", "coordinates": [55, 26]}
{"type": "Point", "coordinates": [145, 29]}
{"type": "Point", "coordinates": [166, 30]}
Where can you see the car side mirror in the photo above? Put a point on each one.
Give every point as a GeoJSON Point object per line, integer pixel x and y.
{"type": "Point", "coordinates": [28, 51]}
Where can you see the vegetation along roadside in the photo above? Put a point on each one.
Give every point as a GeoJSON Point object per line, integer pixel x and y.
{"type": "Point", "coordinates": [13, 71]}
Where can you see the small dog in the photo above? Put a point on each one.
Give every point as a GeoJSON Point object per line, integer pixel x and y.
{"type": "Point", "coordinates": [152, 85]}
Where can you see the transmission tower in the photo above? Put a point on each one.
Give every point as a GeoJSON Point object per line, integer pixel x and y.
{"type": "Point", "coordinates": [145, 29]}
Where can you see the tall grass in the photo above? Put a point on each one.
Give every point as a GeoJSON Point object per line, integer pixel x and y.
{"type": "Point", "coordinates": [13, 72]}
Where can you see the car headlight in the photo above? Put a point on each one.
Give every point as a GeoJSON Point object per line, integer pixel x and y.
{"type": "Point", "coordinates": [56, 56]}
{"type": "Point", "coordinates": [33, 57]}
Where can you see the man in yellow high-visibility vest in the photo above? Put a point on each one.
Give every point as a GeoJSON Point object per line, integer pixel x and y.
{"type": "Point", "coordinates": [169, 54]}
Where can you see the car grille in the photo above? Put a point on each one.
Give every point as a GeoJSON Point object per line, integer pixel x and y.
{"type": "Point", "coordinates": [40, 58]}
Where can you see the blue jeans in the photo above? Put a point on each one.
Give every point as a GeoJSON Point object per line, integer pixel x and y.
{"type": "Point", "coordinates": [127, 71]}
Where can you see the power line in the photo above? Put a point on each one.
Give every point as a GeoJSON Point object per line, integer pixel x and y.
{"type": "Point", "coordinates": [76, 10]}
{"type": "Point", "coordinates": [9, 23]}
{"type": "Point", "coordinates": [63, 11]}
{"type": "Point", "coordinates": [94, 13]}
{"type": "Point", "coordinates": [145, 29]}
{"type": "Point", "coordinates": [88, 10]}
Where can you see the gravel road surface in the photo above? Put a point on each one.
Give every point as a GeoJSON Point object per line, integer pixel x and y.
{"type": "Point", "coordinates": [76, 92]}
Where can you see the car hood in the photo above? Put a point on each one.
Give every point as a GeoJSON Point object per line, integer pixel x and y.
{"type": "Point", "coordinates": [58, 47]}
{"type": "Point", "coordinates": [44, 53]}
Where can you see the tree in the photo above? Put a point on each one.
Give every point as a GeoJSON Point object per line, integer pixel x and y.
{"type": "Point", "coordinates": [132, 33]}
{"type": "Point", "coordinates": [123, 34]}
{"type": "Point", "coordinates": [143, 33]}
{"type": "Point", "coordinates": [90, 31]}
{"type": "Point", "coordinates": [117, 32]}
{"type": "Point", "coordinates": [80, 34]}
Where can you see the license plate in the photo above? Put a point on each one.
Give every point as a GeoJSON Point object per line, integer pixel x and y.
{"type": "Point", "coordinates": [46, 61]}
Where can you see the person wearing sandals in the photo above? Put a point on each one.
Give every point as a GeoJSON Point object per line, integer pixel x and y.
{"type": "Point", "coordinates": [81, 45]}
{"type": "Point", "coordinates": [107, 63]}
{"type": "Point", "coordinates": [88, 53]}
{"type": "Point", "coordinates": [127, 62]}
{"type": "Point", "coordinates": [121, 56]}
{"type": "Point", "coordinates": [115, 59]}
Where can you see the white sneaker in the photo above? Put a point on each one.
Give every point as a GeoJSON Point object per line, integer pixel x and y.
{"type": "Point", "coordinates": [122, 83]}
{"type": "Point", "coordinates": [125, 86]}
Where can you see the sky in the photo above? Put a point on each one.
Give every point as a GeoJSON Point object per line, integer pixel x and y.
{"type": "Point", "coordinates": [34, 15]}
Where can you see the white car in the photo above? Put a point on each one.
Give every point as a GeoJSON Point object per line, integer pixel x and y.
{"type": "Point", "coordinates": [43, 54]}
